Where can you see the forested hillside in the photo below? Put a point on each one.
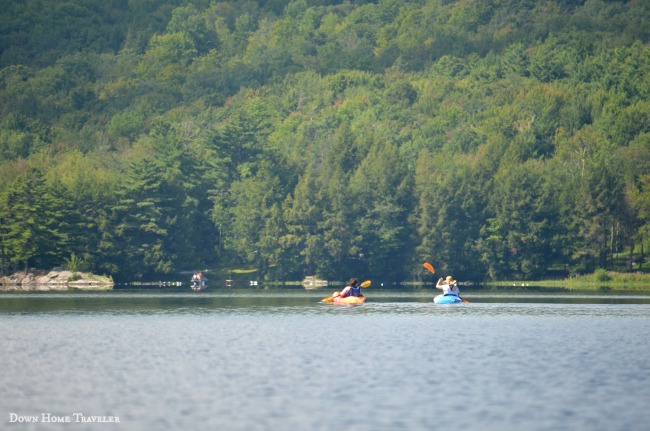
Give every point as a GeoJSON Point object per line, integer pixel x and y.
{"type": "Point", "coordinates": [495, 138]}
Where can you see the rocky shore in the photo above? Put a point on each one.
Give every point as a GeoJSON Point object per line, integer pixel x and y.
{"type": "Point", "coordinates": [56, 279]}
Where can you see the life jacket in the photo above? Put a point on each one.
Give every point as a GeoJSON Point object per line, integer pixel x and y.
{"type": "Point", "coordinates": [355, 291]}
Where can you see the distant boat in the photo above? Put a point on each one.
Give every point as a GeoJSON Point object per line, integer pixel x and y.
{"type": "Point", "coordinates": [199, 284]}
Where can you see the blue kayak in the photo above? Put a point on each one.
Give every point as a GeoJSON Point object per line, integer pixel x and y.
{"type": "Point", "coordinates": [448, 299]}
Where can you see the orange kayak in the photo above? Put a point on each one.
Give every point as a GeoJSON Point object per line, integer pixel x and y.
{"type": "Point", "coordinates": [349, 300]}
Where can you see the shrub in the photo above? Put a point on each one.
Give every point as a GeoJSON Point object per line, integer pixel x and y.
{"type": "Point", "coordinates": [601, 275]}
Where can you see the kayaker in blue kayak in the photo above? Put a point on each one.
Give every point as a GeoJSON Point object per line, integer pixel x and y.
{"type": "Point", "coordinates": [352, 289]}
{"type": "Point", "coordinates": [448, 286]}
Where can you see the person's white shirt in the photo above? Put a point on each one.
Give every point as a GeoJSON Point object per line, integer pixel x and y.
{"type": "Point", "coordinates": [450, 289]}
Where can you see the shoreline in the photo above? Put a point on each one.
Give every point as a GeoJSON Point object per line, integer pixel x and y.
{"type": "Point", "coordinates": [603, 280]}
{"type": "Point", "coordinates": [55, 279]}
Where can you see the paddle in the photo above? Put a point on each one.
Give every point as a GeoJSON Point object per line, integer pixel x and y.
{"type": "Point", "coordinates": [365, 284]}
{"type": "Point", "coordinates": [432, 270]}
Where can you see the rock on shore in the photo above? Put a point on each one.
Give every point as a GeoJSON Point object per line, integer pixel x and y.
{"type": "Point", "coordinates": [56, 279]}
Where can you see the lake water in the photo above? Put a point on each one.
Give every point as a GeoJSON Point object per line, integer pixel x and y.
{"type": "Point", "coordinates": [280, 360]}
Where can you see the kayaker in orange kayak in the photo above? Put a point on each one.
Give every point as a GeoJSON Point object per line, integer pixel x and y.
{"type": "Point", "coordinates": [352, 289]}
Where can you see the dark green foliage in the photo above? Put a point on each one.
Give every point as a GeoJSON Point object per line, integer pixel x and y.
{"type": "Point", "coordinates": [28, 221]}
{"type": "Point", "coordinates": [493, 138]}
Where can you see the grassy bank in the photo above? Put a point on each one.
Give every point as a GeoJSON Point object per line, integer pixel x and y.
{"type": "Point", "coordinates": [600, 279]}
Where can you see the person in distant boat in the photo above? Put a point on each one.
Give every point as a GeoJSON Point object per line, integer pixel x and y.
{"type": "Point", "coordinates": [448, 286]}
{"type": "Point", "coordinates": [352, 289]}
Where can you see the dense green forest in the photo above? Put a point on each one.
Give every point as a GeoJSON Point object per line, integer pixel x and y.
{"type": "Point", "coordinates": [497, 139]}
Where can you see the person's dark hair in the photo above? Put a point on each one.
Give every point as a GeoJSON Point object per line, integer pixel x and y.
{"type": "Point", "coordinates": [354, 282]}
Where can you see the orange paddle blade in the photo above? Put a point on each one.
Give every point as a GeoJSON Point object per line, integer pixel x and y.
{"type": "Point", "coordinates": [429, 267]}
{"type": "Point", "coordinates": [366, 283]}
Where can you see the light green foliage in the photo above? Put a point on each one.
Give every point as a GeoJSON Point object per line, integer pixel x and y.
{"type": "Point", "coordinates": [601, 275]}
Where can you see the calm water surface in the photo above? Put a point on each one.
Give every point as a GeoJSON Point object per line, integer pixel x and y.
{"type": "Point", "coordinates": [281, 360]}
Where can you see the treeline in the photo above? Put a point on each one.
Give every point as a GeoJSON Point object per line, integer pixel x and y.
{"type": "Point", "coordinates": [496, 139]}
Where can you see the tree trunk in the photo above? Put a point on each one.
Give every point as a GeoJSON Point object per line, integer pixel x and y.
{"type": "Point", "coordinates": [631, 261]}
{"type": "Point", "coordinates": [612, 235]}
